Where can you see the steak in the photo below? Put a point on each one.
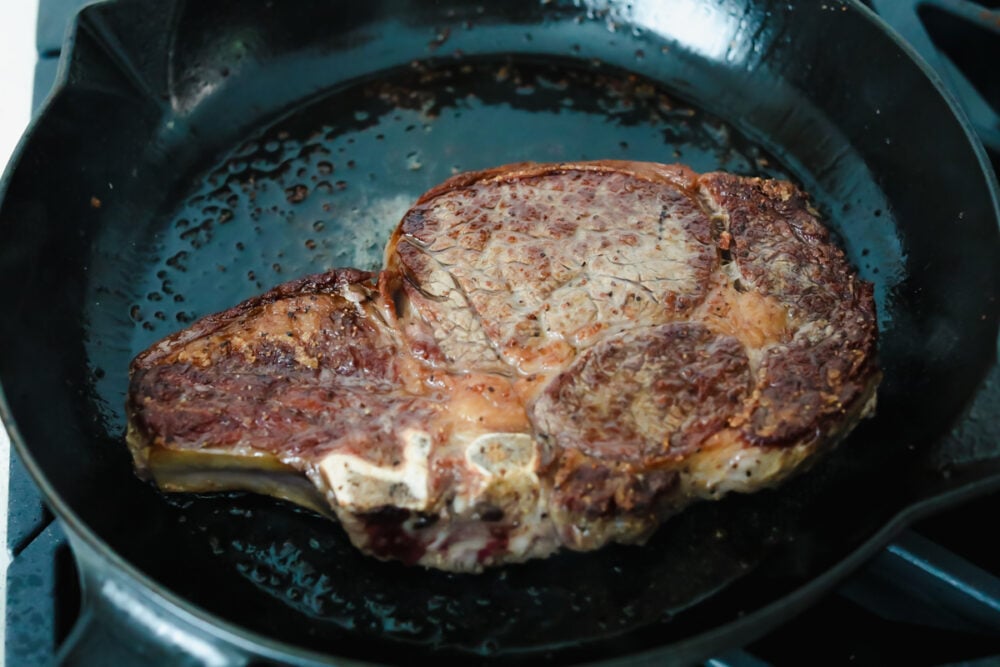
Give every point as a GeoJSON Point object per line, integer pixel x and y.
{"type": "Point", "coordinates": [555, 355]}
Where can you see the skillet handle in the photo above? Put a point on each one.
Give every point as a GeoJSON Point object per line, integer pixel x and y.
{"type": "Point", "coordinates": [124, 624]}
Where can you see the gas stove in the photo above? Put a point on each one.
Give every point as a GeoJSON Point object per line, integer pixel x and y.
{"type": "Point", "coordinates": [931, 597]}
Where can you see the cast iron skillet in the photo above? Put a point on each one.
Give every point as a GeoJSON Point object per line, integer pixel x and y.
{"type": "Point", "coordinates": [196, 153]}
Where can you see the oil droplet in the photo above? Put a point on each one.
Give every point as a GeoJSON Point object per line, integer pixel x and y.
{"type": "Point", "coordinates": [439, 39]}
{"type": "Point", "coordinates": [296, 194]}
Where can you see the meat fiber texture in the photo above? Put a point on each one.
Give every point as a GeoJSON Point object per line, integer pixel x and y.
{"type": "Point", "coordinates": [554, 356]}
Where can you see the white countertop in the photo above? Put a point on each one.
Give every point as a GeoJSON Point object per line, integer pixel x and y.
{"type": "Point", "coordinates": [17, 68]}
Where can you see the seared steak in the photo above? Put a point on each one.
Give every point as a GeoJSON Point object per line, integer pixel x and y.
{"type": "Point", "coordinates": [555, 355]}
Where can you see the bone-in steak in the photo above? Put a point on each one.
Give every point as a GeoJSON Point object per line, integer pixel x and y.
{"type": "Point", "coordinates": [556, 355]}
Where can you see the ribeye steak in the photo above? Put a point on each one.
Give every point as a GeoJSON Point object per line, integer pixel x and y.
{"type": "Point", "coordinates": [555, 355]}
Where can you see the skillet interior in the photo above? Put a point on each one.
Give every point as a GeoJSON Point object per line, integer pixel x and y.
{"type": "Point", "coordinates": [116, 235]}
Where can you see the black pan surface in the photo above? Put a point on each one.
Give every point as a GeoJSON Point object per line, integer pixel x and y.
{"type": "Point", "coordinates": [199, 153]}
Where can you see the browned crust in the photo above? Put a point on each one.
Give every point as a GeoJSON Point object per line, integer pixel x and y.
{"type": "Point", "coordinates": [524, 341]}
{"type": "Point", "coordinates": [805, 386]}
{"type": "Point", "coordinates": [617, 400]}
{"type": "Point", "coordinates": [677, 175]}
{"type": "Point", "coordinates": [166, 408]}
{"type": "Point", "coordinates": [598, 489]}
{"type": "Point", "coordinates": [807, 389]}
{"type": "Point", "coordinates": [328, 282]}
{"type": "Point", "coordinates": [810, 382]}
